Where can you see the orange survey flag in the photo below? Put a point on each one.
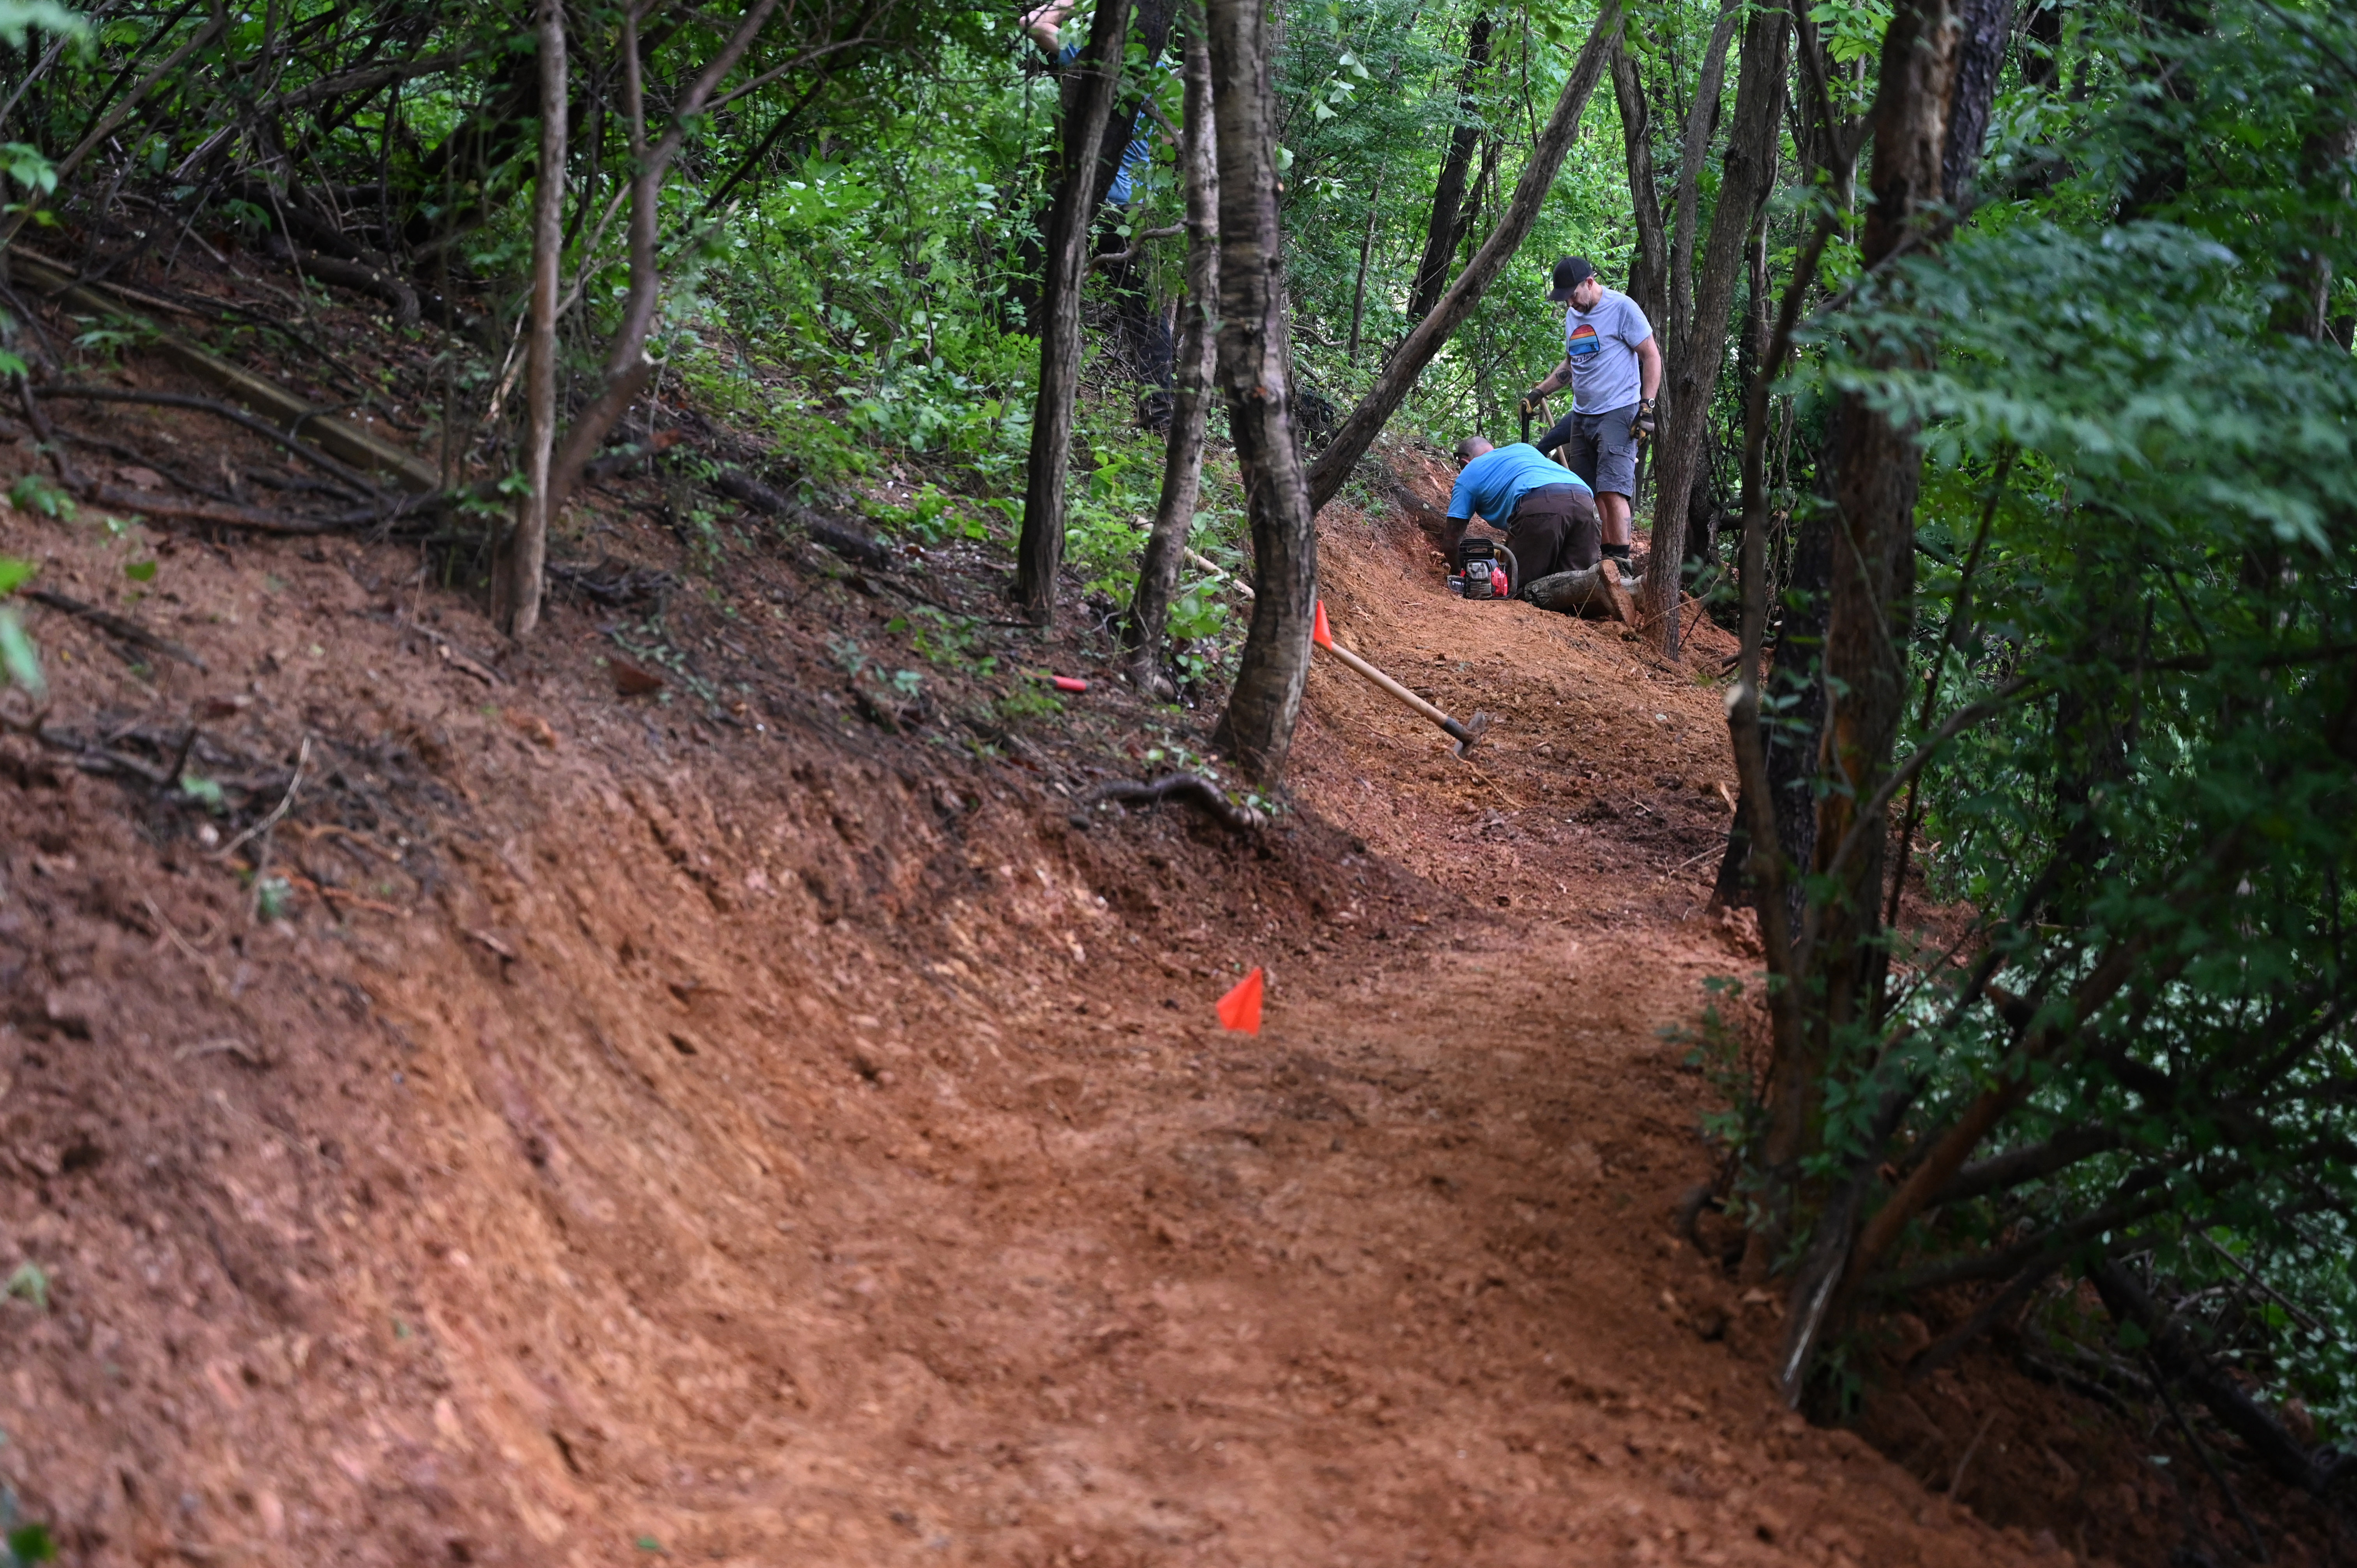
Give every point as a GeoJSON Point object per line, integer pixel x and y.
{"type": "Point", "coordinates": [1240, 1008]}
{"type": "Point", "coordinates": [1320, 633]}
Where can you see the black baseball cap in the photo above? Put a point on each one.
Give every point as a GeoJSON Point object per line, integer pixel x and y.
{"type": "Point", "coordinates": [1569, 274]}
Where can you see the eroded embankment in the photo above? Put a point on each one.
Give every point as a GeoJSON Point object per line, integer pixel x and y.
{"type": "Point", "coordinates": [799, 1144]}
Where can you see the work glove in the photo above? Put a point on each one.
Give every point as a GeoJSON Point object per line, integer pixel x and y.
{"type": "Point", "coordinates": [1530, 401]}
{"type": "Point", "coordinates": [1643, 423]}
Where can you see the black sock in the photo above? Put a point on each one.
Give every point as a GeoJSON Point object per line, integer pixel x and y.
{"type": "Point", "coordinates": [1619, 553]}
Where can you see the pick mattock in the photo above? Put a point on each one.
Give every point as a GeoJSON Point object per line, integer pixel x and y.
{"type": "Point", "coordinates": [1465, 735]}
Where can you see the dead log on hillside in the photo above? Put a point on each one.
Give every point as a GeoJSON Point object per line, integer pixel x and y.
{"type": "Point", "coordinates": [361, 448]}
{"type": "Point", "coordinates": [359, 277]}
{"type": "Point", "coordinates": [353, 482]}
{"type": "Point", "coordinates": [740, 486]}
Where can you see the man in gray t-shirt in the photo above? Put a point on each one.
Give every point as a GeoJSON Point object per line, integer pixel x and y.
{"type": "Point", "coordinates": [1613, 366]}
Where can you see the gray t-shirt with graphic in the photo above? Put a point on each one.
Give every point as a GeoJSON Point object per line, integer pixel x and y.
{"type": "Point", "coordinates": [1601, 345]}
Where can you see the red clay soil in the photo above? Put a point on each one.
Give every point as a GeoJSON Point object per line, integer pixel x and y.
{"type": "Point", "coordinates": [767, 1140]}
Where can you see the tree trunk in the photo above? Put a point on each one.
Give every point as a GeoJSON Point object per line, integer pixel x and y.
{"type": "Point", "coordinates": [2041, 54]}
{"type": "Point", "coordinates": [1988, 25]}
{"type": "Point", "coordinates": [1366, 253]}
{"type": "Point", "coordinates": [1696, 358]}
{"type": "Point", "coordinates": [527, 555]}
{"type": "Point", "coordinates": [628, 369]}
{"type": "Point", "coordinates": [1182, 466]}
{"type": "Point", "coordinates": [1448, 222]}
{"type": "Point", "coordinates": [1363, 424]}
{"type": "Point", "coordinates": [1255, 335]}
{"type": "Point", "coordinates": [2157, 157]}
{"type": "Point", "coordinates": [1873, 467]}
{"type": "Point", "coordinates": [1649, 271]}
{"type": "Point", "coordinates": [1701, 126]}
{"type": "Point", "coordinates": [1798, 690]}
{"type": "Point", "coordinates": [1039, 553]}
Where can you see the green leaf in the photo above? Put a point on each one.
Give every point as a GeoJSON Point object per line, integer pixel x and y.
{"type": "Point", "coordinates": [204, 791]}
{"type": "Point", "coordinates": [140, 571]}
{"type": "Point", "coordinates": [34, 494]}
{"type": "Point", "coordinates": [31, 1544]}
{"type": "Point", "coordinates": [29, 1284]}
{"type": "Point", "coordinates": [274, 899]}
{"type": "Point", "coordinates": [14, 574]}
{"type": "Point", "coordinates": [18, 659]}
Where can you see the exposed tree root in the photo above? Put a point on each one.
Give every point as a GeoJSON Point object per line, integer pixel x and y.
{"type": "Point", "coordinates": [1194, 789]}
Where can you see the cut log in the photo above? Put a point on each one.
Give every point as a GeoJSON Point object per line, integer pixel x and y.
{"type": "Point", "coordinates": [1593, 593]}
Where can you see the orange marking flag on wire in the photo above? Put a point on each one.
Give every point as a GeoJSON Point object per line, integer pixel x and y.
{"type": "Point", "coordinates": [1240, 1008]}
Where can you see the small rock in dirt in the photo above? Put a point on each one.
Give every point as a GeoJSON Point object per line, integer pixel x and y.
{"type": "Point", "coordinates": [532, 727]}
{"type": "Point", "coordinates": [77, 1007]}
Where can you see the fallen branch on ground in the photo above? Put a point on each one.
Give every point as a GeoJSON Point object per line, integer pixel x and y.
{"type": "Point", "coordinates": [130, 631]}
{"type": "Point", "coordinates": [348, 441]}
{"type": "Point", "coordinates": [740, 486]}
{"type": "Point", "coordinates": [149, 504]}
{"type": "Point", "coordinates": [1193, 788]}
{"type": "Point", "coordinates": [351, 477]}
{"type": "Point", "coordinates": [378, 282]}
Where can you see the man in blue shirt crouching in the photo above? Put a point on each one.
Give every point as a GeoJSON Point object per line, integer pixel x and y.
{"type": "Point", "coordinates": [1547, 512]}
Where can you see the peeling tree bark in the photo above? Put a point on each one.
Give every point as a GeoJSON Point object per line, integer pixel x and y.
{"type": "Point", "coordinates": [1256, 377]}
{"type": "Point", "coordinates": [1039, 553]}
{"type": "Point", "coordinates": [1182, 467]}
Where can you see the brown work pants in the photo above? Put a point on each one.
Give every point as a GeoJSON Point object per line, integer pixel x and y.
{"type": "Point", "coordinates": [1554, 528]}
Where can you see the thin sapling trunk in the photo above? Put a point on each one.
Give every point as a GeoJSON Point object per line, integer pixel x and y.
{"type": "Point", "coordinates": [1449, 219]}
{"type": "Point", "coordinates": [1096, 77]}
{"type": "Point", "coordinates": [1182, 469]}
{"type": "Point", "coordinates": [527, 556]}
{"type": "Point", "coordinates": [1696, 356]}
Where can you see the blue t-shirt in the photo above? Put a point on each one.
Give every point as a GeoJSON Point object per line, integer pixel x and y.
{"type": "Point", "coordinates": [1138, 156]}
{"type": "Point", "coordinates": [1494, 483]}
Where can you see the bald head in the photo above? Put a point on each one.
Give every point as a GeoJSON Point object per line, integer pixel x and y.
{"type": "Point", "coordinates": [1473, 446]}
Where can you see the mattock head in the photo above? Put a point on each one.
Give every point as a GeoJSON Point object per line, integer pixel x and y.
{"type": "Point", "coordinates": [1468, 733]}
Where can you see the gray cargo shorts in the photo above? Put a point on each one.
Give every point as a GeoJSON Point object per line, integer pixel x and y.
{"type": "Point", "coordinates": [1600, 447]}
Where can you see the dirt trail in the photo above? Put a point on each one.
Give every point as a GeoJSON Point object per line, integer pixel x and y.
{"type": "Point", "coordinates": [760, 1154]}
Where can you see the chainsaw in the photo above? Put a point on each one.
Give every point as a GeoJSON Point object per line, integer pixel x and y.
{"type": "Point", "coordinates": [1484, 570]}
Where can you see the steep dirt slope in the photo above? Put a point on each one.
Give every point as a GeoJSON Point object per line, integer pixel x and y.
{"type": "Point", "coordinates": [795, 1145]}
